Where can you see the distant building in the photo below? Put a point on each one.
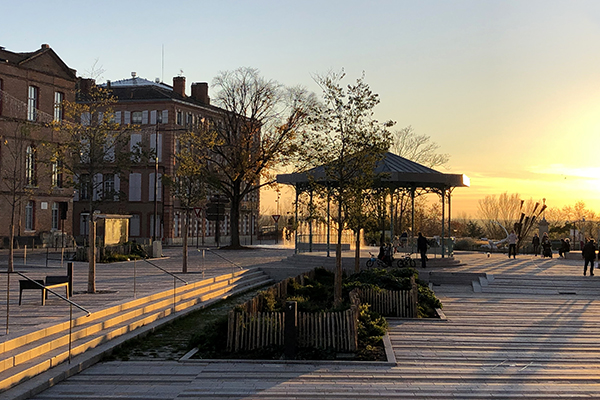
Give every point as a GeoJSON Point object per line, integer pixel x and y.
{"type": "Point", "coordinates": [32, 88]}
{"type": "Point", "coordinates": [162, 112]}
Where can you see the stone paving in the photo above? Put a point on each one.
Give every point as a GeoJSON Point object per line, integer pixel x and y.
{"type": "Point", "coordinates": [533, 332]}
{"type": "Point", "coordinates": [115, 282]}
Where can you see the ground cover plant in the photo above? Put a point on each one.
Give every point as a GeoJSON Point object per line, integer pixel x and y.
{"type": "Point", "coordinates": [207, 329]}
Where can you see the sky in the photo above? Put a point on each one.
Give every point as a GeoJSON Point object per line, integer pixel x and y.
{"type": "Point", "coordinates": [509, 89]}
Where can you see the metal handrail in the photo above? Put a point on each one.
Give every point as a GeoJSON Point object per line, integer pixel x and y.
{"type": "Point", "coordinates": [218, 255]}
{"type": "Point", "coordinates": [165, 271]}
{"type": "Point", "coordinates": [53, 292]}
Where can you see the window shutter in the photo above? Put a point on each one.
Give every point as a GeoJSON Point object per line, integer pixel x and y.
{"type": "Point", "coordinates": [76, 191]}
{"type": "Point", "coordinates": [165, 116]}
{"type": "Point", "coordinates": [97, 184]}
{"type": "Point", "coordinates": [118, 117]}
{"type": "Point", "coordinates": [144, 117]}
{"type": "Point", "coordinates": [135, 187]}
{"type": "Point", "coordinates": [153, 117]}
{"type": "Point", "coordinates": [127, 117]}
{"type": "Point", "coordinates": [117, 187]}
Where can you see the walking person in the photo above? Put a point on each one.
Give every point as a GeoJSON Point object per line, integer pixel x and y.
{"type": "Point", "coordinates": [512, 244]}
{"type": "Point", "coordinates": [546, 246]}
{"type": "Point", "coordinates": [589, 255]}
{"type": "Point", "coordinates": [536, 244]}
{"type": "Point", "coordinates": [422, 248]}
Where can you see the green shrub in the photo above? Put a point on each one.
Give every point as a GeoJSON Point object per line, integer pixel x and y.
{"type": "Point", "coordinates": [465, 244]}
{"type": "Point", "coordinates": [428, 302]}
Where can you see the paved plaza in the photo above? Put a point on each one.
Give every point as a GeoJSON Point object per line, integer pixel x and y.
{"type": "Point", "coordinates": [533, 331]}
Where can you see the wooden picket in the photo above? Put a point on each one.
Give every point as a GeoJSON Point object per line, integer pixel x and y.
{"type": "Point", "coordinates": [249, 329]}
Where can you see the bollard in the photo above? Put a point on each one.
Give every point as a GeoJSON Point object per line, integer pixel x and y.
{"type": "Point", "coordinates": [290, 333]}
{"type": "Point", "coordinates": [70, 275]}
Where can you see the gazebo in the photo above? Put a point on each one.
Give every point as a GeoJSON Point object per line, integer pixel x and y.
{"type": "Point", "coordinates": [395, 173]}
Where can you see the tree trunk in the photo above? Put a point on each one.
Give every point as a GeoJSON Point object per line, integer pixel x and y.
{"type": "Point", "coordinates": [92, 256]}
{"type": "Point", "coordinates": [11, 245]}
{"type": "Point", "coordinates": [185, 241]}
{"type": "Point", "coordinates": [337, 289]}
{"type": "Point", "coordinates": [357, 252]}
{"type": "Point", "coordinates": [234, 216]}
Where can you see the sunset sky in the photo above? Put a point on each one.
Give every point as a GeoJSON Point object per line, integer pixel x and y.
{"type": "Point", "coordinates": [510, 89]}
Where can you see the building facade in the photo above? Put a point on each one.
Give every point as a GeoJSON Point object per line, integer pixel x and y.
{"type": "Point", "coordinates": [161, 113]}
{"type": "Point", "coordinates": [33, 86]}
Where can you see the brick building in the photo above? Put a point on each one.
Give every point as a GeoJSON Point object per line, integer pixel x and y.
{"type": "Point", "coordinates": [162, 112]}
{"type": "Point", "coordinates": [32, 88]}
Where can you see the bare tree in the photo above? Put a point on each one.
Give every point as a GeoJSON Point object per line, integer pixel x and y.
{"type": "Point", "coordinates": [92, 145]}
{"type": "Point", "coordinates": [418, 148]}
{"type": "Point", "coordinates": [188, 184]}
{"type": "Point", "coordinates": [17, 180]}
{"type": "Point", "coordinates": [257, 131]}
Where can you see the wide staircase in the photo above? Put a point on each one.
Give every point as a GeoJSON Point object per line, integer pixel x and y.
{"type": "Point", "coordinates": [37, 353]}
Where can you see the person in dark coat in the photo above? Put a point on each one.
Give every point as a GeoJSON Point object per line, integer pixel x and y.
{"type": "Point", "coordinates": [422, 248]}
{"type": "Point", "coordinates": [536, 244]}
{"type": "Point", "coordinates": [589, 255]}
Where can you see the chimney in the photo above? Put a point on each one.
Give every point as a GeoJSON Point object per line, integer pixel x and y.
{"type": "Point", "coordinates": [200, 92]}
{"type": "Point", "coordinates": [179, 85]}
{"type": "Point", "coordinates": [45, 46]}
{"type": "Point", "coordinates": [85, 84]}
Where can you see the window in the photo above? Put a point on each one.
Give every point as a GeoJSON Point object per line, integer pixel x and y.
{"type": "Point", "coordinates": [29, 208]}
{"type": "Point", "coordinates": [134, 225]}
{"type": "Point", "coordinates": [58, 106]}
{"type": "Point", "coordinates": [136, 117]}
{"type": "Point", "coordinates": [179, 117]}
{"type": "Point", "coordinates": [152, 188]}
{"type": "Point", "coordinates": [57, 176]}
{"type": "Point", "coordinates": [83, 224]}
{"type": "Point", "coordinates": [32, 103]}
{"type": "Point", "coordinates": [55, 216]}
{"type": "Point", "coordinates": [109, 186]}
{"type": "Point", "coordinates": [135, 187]}
{"type": "Point", "coordinates": [153, 148]}
{"type": "Point", "coordinates": [84, 187]}
{"type": "Point", "coordinates": [30, 166]}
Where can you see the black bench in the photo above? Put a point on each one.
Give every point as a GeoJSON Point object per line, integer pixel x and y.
{"type": "Point", "coordinates": [52, 282]}
{"type": "Point", "coordinates": [26, 285]}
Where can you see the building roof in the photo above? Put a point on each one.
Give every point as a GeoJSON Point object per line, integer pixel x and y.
{"type": "Point", "coordinates": [32, 60]}
{"type": "Point", "coordinates": [137, 89]}
{"type": "Point", "coordinates": [395, 172]}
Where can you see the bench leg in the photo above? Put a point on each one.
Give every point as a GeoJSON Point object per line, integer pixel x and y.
{"type": "Point", "coordinates": [20, 295]}
{"type": "Point", "coordinates": [44, 294]}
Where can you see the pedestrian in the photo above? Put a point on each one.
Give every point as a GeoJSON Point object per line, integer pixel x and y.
{"type": "Point", "coordinates": [546, 246]}
{"type": "Point", "coordinates": [512, 244]}
{"type": "Point", "coordinates": [422, 248]}
{"type": "Point", "coordinates": [536, 244]}
{"type": "Point", "coordinates": [387, 258]}
{"type": "Point", "coordinates": [589, 255]}
{"type": "Point", "coordinates": [565, 247]}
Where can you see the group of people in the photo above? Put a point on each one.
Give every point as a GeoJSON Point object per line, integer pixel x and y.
{"type": "Point", "coordinates": [386, 251]}
{"type": "Point", "coordinates": [546, 245]}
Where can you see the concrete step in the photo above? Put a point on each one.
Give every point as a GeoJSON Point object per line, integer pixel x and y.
{"type": "Point", "coordinates": [26, 357]}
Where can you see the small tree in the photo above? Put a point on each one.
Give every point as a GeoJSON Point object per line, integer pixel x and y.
{"type": "Point", "coordinates": [348, 142]}
{"type": "Point", "coordinates": [188, 184]}
{"type": "Point", "coordinates": [19, 156]}
{"type": "Point", "coordinates": [257, 131]}
{"type": "Point", "coordinates": [91, 145]}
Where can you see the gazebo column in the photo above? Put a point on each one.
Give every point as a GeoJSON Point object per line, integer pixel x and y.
{"type": "Point", "coordinates": [392, 216]}
{"type": "Point", "coordinates": [443, 218]}
{"type": "Point", "coordinates": [412, 217]}
{"type": "Point", "coordinates": [449, 213]}
{"type": "Point", "coordinates": [310, 223]}
{"type": "Point", "coordinates": [328, 221]}
{"type": "Point", "coordinates": [296, 221]}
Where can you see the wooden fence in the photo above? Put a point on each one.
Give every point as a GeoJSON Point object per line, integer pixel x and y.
{"type": "Point", "coordinates": [402, 303]}
{"type": "Point", "coordinates": [249, 329]}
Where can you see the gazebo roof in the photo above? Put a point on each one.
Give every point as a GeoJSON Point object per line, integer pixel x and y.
{"type": "Point", "coordinates": [396, 172]}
